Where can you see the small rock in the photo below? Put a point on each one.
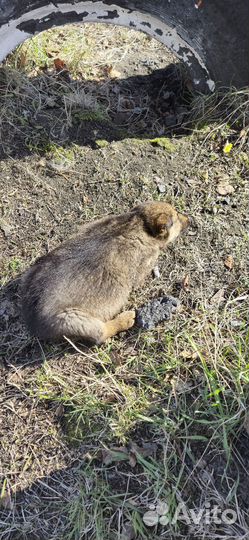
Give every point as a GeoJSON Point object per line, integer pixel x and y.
{"type": "Point", "coordinates": [218, 297]}
{"type": "Point", "coordinates": [156, 311]}
{"type": "Point", "coordinates": [6, 228]}
{"type": "Point", "coordinates": [164, 520]}
{"type": "Point", "coordinates": [156, 272]}
{"type": "Point", "coordinates": [60, 164]}
{"type": "Point", "coordinates": [161, 188]}
{"type": "Point", "coordinates": [150, 518]}
{"type": "Point", "coordinates": [235, 323]}
{"type": "Point", "coordinates": [224, 188]}
{"type": "Point", "coordinates": [162, 508]}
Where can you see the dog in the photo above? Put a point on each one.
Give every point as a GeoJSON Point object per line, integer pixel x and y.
{"type": "Point", "coordinates": [79, 289]}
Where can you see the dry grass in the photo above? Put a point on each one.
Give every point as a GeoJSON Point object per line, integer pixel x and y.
{"type": "Point", "coordinates": [172, 404]}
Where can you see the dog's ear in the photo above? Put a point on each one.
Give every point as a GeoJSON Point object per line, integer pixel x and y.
{"type": "Point", "coordinates": [157, 219]}
{"type": "Point", "coordinates": [162, 224]}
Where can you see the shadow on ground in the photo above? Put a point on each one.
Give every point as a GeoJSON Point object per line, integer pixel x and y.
{"type": "Point", "coordinates": [50, 109]}
{"type": "Point", "coordinates": [74, 501]}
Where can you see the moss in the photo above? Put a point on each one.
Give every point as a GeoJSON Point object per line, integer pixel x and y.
{"type": "Point", "coordinates": [101, 143]}
{"type": "Point", "coordinates": [164, 142]}
{"type": "Point", "coordinates": [90, 116]}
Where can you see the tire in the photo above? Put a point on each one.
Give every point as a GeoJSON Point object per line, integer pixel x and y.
{"type": "Point", "coordinates": [210, 36]}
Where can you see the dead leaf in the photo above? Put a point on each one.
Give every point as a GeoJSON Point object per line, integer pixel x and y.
{"type": "Point", "coordinates": [218, 297]}
{"type": "Point", "coordinates": [121, 453]}
{"type": "Point", "coordinates": [128, 532]}
{"type": "Point", "coordinates": [244, 134]}
{"type": "Point", "coordinates": [188, 355]}
{"type": "Point", "coordinates": [185, 354]}
{"type": "Point", "coordinates": [132, 460]}
{"type": "Point", "coordinates": [41, 162]}
{"type": "Point", "coordinates": [229, 262]}
{"type": "Point", "coordinates": [114, 73]}
{"type": "Point", "coordinates": [148, 449]}
{"type": "Point", "coordinates": [185, 282]}
{"type": "Point", "coordinates": [224, 188]}
{"type": "Point", "coordinates": [60, 65]}
{"type": "Point", "coordinates": [110, 71]}
{"type": "Point", "coordinates": [22, 59]}
{"type": "Point", "coordinates": [51, 102]}
{"type": "Point", "coordinates": [59, 411]}
{"type": "Point", "coordinates": [15, 379]}
{"type": "Point", "coordinates": [130, 351]}
{"type": "Point", "coordinates": [86, 199]}
{"type": "Point", "coordinates": [179, 386]}
{"type": "Point", "coordinates": [189, 85]}
{"type": "Point", "coordinates": [114, 454]}
{"type": "Point", "coordinates": [6, 501]}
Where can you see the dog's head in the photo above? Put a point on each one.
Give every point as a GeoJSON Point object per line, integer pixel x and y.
{"type": "Point", "coordinates": [162, 220]}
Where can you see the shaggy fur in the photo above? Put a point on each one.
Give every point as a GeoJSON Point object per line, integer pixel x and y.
{"type": "Point", "coordinates": [80, 287]}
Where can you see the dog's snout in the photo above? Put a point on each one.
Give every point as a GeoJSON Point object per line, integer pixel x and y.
{"type": "Point", "coordinates": [184, 220]}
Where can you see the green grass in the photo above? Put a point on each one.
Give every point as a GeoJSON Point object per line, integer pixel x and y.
{"type": "Point", "coordinates": [187, 392]}
{"type": "Point", "coordinates": [117, 398]}
{"type": "Point", "coordinates": [40, 51]}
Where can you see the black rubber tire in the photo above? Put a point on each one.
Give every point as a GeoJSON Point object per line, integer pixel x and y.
{"type": "Point", "coordinates": [210, 36]}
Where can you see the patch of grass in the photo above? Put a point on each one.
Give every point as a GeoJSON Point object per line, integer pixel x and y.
{"type": "Point", "coordinates": [164, 142]}
{"type": "Point", "coordinates": [90, 116]}
{"type": "Point", "coordinates": [15, 265]}
{"type": "Point", "coordinates": [117, 399]}
{"type": "Point", "coordinates": [223, 117]}
{"type": "Point", "coordinates": [40, 51]}
{"type": "Point", "coordinates": [101, 143]}
{"type": "Point", "coordinates": [60, 151]}
{"type": "Point", "coordinates": [196, 400]}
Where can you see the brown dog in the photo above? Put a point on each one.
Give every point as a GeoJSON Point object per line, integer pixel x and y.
{"type": "Point", "coordinates": [79, 288]}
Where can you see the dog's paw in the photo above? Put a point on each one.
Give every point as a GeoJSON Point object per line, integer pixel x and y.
{"type": "Point", "coordinates": [127, 319]}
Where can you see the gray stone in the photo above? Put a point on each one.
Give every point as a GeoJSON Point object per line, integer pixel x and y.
{"type": "Point", "coordinates": [156, 311]}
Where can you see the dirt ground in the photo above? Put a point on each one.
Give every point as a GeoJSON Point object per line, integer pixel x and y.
{"type": "Point", "coordinates": [107, 131]}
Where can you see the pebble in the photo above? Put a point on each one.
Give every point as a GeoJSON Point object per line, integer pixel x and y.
{"type": "Point", "coordinates": [157, 310]}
